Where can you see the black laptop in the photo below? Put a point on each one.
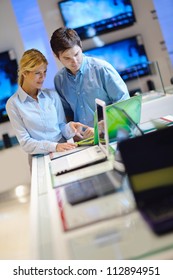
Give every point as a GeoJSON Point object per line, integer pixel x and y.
{"type": "Point", "coordinates": [148, 161]}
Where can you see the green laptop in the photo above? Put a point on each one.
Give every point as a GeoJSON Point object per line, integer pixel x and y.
{"type": "Point", "coordinates": [116, 120]}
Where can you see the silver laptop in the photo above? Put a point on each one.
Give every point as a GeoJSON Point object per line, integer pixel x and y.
{"type": "Point", "coordinates": [88, 156]}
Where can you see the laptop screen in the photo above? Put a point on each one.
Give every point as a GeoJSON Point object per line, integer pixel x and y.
{"type": "Point", "coordinates": [132, 106]}
{"type": "Point", "coordinates": [120, 124]}
{"type": "Point", "coordinates": [123, 117]}
{"type": "Point", "coordinates": [101, 126]}
{"type": "Point", "coordinates": [112, 122]}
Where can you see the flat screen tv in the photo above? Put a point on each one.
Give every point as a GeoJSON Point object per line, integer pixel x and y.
{"type": "Point", "coordinates": [92, 17]}
{"type": "Point", "coordinates": [8, 80]}
{"type": "Point", "coordinates": [127, 56]}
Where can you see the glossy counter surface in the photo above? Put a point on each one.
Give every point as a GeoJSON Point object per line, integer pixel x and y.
{"type": "Point", "coordinates": [122, 237]}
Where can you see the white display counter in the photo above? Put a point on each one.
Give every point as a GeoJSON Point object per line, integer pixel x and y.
{"type": "Point", "coordinates": [125, 236]}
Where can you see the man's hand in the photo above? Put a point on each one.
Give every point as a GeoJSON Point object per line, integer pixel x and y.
{"type": "Point", "coordinates": [89, 132]}
{"type": "Point", "coordinates": [81, 130]}
{"type": "Point", "coordinates": [78, 128]}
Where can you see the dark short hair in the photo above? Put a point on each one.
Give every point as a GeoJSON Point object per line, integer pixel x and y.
{"type": "Point", "coordinates": [63, 39]}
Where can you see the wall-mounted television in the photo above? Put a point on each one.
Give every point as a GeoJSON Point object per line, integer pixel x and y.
{"type": "Point", "coordinates": [127, 56]}
{"type": "Point", "coordinates": [92, 17]}
{"type": "Point", "coordinates": [8, 80]}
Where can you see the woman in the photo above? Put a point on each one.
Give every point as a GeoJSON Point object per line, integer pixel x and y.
{"type": "Point", "coordinates": [36, 114]}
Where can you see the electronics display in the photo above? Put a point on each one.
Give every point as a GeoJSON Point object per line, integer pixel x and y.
{"type": "Point", "coordinates": [127, 56]}
{"type": "Point", "coordinates": [92, 17]}
{"type": "Point", "coordinates": [8, 80]}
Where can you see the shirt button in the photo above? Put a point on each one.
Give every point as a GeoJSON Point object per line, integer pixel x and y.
{"type": "Point", "coordinates": [78, 93]}
{"type": "Point", "coordinates": [81, 106]}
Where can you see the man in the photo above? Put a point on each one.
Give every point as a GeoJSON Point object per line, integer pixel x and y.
{"type": "Point", "coordinates": [83, 78]}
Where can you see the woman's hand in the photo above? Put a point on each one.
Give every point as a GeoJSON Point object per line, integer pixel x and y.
{"type": "Point", "coordinates": [62, 147]}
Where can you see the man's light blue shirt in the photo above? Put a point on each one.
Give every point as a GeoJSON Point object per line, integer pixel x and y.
{"type": "Point", "coordinates": [38, 125]}
{"type": "Point", "coordinates": [95, 79]}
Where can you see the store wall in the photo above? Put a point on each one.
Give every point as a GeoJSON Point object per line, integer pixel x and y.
{"type": "Point", "coordinates": [10, 39]}
{"type": "Point", "coordinates": [9, 33]}
{"type": "Point", "coordinates": [147, 25]}
{"type": "Point", "coordinates": [164, 13]}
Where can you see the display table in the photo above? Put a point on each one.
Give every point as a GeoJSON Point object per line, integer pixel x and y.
{"type": "Point", "coordinates": [157, 108]}
{"type": "Point", "coordinates": [125, 236]}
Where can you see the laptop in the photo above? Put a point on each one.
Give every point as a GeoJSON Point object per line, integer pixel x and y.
{"type": "Point", "coordinates": [88, 156]}
{"type": "Point", "coordinates": [93, 187]}
{"type": "Point", "coordinates": [124, 114]}
{"type": "Point", "coordinates": [101, 184]}
{"type": "Point", "coordinates": [148, 160]}
{"type": "Point", "coordinates": [107, 182]}
{"type": "Point", "coordinates": [106, 117]}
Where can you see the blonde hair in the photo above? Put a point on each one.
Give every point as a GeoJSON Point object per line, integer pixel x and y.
{"type": "Point", "coordinates": [30, 60]}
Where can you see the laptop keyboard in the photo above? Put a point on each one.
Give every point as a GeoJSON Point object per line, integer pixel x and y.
{"type": "Point", "coordinates": [163, 209]}
{"type": "Point", "coordinates": [90, 188]}
{"type": "Point", "coordinates": [85, 156]}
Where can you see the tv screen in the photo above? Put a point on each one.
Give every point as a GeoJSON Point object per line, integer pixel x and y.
{"type": "Point", "coordinates": [92, 17]}
{"type": "Point", "coordinates": [8, 80]}
{"type": "Point", "coordinates": [127, 56]}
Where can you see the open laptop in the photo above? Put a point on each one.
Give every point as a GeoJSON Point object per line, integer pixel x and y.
{"type": "Point", "coordinates": [107, 182]}
{"type": "Point", "coordinates": [103, 183]}
{"type": "Point", "coordinates": [148, 160]}
{"type": "Point", "coordinates": [106, 117]}
{"type": "Point", "coordinates": [85, 157]}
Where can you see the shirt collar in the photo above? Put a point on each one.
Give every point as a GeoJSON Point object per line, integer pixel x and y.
{"type": "Point", "coordinates": [25, 97]}
{"type": "Point", "coordinates": [83, 64]}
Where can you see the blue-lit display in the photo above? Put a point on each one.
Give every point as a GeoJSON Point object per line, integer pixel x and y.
{"type": "Point", "coordinates": [92, 17]}
{"type": "Point", "coordinates": [127, 56]}
{"type": "Point", "coordinates": [8, 80]}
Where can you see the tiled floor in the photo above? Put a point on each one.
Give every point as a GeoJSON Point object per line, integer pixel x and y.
{"type": "Point", "coordinates": [14, 229]}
